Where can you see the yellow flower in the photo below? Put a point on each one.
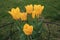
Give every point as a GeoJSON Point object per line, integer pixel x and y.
{"type": "Point", "coordinates": [29, 8]}
{"type": "Point", "coordinates": [27, 29]}
{"type": "Point", "coordinates": [33, 14]}
{"type": "Point", "coordinates": [23, 16]}
{"type": "Point", "coordinates": [38, 9]}
{"type": "Point", "coordinates": [15, 13]}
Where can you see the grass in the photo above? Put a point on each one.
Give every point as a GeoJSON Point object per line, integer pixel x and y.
{"type": "Point", "coordinates": [51, 11]}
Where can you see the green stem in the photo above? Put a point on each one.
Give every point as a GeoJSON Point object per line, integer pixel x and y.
{"type": "Point", "coordinates": [29, 38]}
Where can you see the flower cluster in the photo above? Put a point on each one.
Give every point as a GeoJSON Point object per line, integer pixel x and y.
{"type": "Point", "coordinates": [17, 14]}
{"type": "Point", "coordinates": [33, 10]}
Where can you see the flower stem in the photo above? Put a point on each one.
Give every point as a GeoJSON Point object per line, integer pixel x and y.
{"type": "Point", "coordinates": [29, 38]}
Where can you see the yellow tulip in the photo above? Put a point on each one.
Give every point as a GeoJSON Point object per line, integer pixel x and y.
{"type": "Point", "coordinates": [29, 8]}
{"type": "Point", "coordinates": [15, 13]}
{"type": "Point", "coordinates": [33, 14]}
{"type": "Point", "coordinates": [27, 29]}
{"type": "Point", "coordinates": [23, 16]}
{"type": "Point", "coordinates": [38, 9]}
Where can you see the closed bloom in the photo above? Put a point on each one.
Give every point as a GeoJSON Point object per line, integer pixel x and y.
{"type": "Point", "coordinates": [28, 29]}
{"type": "Point", "coordinates": [29, 9]}
{"type": "Point", "coordinates": [15, 13]}
{"type": "Point", "coordinates": [23, 16]}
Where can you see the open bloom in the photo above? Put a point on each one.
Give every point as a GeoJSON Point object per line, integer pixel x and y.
{"type": "Point", "coordinates": [27, 29]}
{"type": "Point", "coordinates": [29, 8]}
{"type": "Point", "coordinates": [38, 9]}
{"type": "Point", "coordinates": [15, 13]}
{"type": "Point", "coordinates": [23, 16]}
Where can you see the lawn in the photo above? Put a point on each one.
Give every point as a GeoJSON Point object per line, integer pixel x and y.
{"type": "Point", "coordinates": [51, 11]}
